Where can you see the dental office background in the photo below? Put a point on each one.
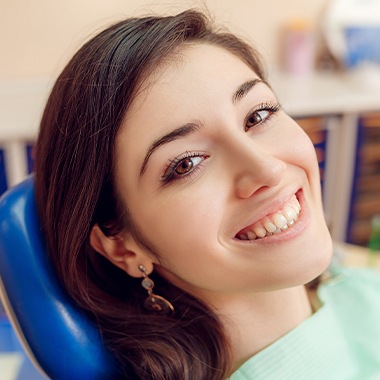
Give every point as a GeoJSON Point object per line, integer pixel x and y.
{"type": "Point", "coordinates": [323, 61]}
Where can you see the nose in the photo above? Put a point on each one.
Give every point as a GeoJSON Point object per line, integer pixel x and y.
{"type": "Point", "coordinates": [256, 168]}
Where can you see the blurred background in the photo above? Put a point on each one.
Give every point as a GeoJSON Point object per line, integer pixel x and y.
{"type": "Point", "coordinates": [39, 36]}
{"type": "Point", "coordinates": [323, 60]}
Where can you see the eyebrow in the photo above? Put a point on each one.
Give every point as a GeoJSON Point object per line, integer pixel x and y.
{"type": "Point", "coordinates": [244, 89]}
{"type": "Point", "coordinates": [189, 128]}
{"type": "Point", "coordinates": [173, 135]}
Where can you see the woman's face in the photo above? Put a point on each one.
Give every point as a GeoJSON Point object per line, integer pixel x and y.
{"type": "Point", "coordinates": [208, 163]}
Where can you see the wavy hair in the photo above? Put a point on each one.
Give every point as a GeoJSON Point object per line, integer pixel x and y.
{"type": "Point", "coordinates": [74, 184]}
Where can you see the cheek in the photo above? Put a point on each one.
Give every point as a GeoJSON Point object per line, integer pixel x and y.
{"type": "Point", "coordinates": [180, 219]}
{"type": "Point", "coordinates": [301, 152]}
{"type": "Point", "coordinates": [310, 161]}
{"type": "Point", "coordinates": [186, 237]}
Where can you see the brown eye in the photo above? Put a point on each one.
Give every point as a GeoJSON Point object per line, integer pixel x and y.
{"type": "Point", "coordinates": [256, 118]}
{"type": "Point", "coordinates": [185, 166]}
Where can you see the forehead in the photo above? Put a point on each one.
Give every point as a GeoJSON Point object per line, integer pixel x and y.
{"type": "Point", "coordinates": [194, 73]}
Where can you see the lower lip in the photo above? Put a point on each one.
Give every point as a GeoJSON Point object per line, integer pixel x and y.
{"type": "Point", "coordinates": [290, 233]}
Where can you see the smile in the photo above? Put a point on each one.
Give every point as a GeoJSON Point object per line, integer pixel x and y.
{"type": "Point", "coordinates": [273, 223]}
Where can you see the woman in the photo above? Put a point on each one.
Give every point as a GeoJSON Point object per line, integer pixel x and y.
{"type": "Point", "coordinates": [164, 156]}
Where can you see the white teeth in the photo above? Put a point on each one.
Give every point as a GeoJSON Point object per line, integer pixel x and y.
{"type": "Point", "coordinates": [298, 206]}
{"type": "Point", "coordinates": [289, 213]}
{"type": "Point", "coordinates": [279, 220]}
{"type": "Point", "coordinates": [260, 231]}
{"type": "Point", "coordinates": [274, 223]}
{"type": "Point", "coordinates": [269, 226]}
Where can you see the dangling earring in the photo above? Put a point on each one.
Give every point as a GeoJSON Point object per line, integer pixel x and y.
{"type": "Point", "coordinates": [154, 303]}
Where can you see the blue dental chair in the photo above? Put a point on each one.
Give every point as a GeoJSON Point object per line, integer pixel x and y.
{"type": "Point", "coordinates": [58, 338]}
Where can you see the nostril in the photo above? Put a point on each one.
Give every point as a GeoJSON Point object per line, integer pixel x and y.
{"type": "Point", "coordinates": [246, 186]}
{"type": "Point", "coordinates": [265, 172]}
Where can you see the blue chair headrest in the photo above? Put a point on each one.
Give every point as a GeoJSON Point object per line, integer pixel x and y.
{"type": "Point", "coordinates": [62, 340]}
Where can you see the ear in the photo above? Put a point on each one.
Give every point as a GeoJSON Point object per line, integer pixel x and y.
{"type": "Point", "coordinates": [122, 251]}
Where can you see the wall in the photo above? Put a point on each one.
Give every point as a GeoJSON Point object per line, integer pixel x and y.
{"type": "Point", "coordinates": [39, 36]}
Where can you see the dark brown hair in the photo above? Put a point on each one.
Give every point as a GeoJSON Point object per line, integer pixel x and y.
{"type": "Point", "coordinates": [75, 189]}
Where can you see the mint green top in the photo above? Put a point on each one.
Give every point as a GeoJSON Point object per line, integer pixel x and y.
{"type": "Point", "coordinates": [340, 341]}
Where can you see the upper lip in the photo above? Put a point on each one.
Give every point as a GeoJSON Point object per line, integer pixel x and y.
{"type": "Point", "coordinates": [264, 207]}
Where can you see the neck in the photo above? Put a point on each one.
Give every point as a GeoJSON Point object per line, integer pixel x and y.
{"type": "Point", "coordinates": [258, 320]}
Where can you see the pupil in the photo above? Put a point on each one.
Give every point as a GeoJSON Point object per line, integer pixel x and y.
{"type": "Point", "coordinates": [184, 166]}
{"type": "Point", "coordinates": [254, 119]}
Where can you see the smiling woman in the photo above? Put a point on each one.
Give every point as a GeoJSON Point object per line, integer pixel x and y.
{"type": "Point", "coordinates": [164, 156]}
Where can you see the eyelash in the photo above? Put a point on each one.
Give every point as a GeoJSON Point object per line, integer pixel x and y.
{"type": "Point", "coordinates": [271, 107]}
{"type": "Point", "coordinates": [170, 171]}
{"type": "Point", "coordinates": [170, 174]}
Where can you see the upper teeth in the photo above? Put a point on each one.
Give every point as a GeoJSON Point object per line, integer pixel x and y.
{"type": "Point", "coordinates": [274, 223]}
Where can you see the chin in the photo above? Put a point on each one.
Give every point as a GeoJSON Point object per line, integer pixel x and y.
{"type": "Point", "coordinates": [320, 260]}
{"type": "Point", "coordinates": [309, 266]}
